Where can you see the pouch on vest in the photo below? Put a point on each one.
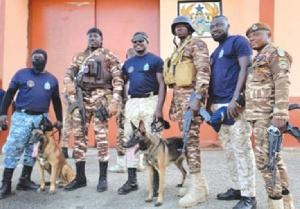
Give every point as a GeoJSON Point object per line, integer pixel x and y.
{"type": "Point", "coordinates": [185, 72]}
{"type": "Point", "coordinates": [168, 72]}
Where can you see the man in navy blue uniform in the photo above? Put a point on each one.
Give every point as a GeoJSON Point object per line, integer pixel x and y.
{"type": "Point", "coordinates": [36, 88]}
{"type": "Point", "coordinates": [229, 64]}
{"type": "Point", "coordinates": [146, 96]}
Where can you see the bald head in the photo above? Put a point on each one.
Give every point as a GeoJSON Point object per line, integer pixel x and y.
{"type": "Point", "coordinates": [219, 28]}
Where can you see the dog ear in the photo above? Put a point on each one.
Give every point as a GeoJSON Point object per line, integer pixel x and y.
{"type": "Point", "coordinates": [133, 126]}
{"type": "Point", "coordinates": [142, 127]}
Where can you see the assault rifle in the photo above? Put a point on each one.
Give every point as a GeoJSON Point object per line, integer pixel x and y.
{"type": "Point", "coordinates": [188, 119]}
{"type": "Point", "coordinates": [81, 109]}
{"type": "Point", "coordinates": [187, 123]}
{"type": "Point", "coordinates": [275, 141]}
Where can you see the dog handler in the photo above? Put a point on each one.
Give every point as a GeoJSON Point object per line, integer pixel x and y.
{"type": "Point", "coordinates": [145, 101]}
{"type": "Point", "coordinates": [36, 88]}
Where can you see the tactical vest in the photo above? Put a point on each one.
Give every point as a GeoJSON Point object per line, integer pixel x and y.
{"type": "Point", "coordinates": [177, 71]}
{"type": "Point", "coordinates": [93, 71]}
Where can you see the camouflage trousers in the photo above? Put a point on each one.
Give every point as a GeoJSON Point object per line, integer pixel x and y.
{"type": "Point", "coordinates": [261, 155]}
{"type": "Point", "coordinates": [120, 119]}
{"type": "Point", "coordinates": [240, 159]}
{"type": "Point", "coordinates": [137, 109]}
{"type": "Point", "coordinates": [67, 129]}
{"type": "Point", "coordinates": [180, 101]}
{"type": "Point", "coordinates": [18, 139]}
{"type": "Point", "coordinates": [100, 129]}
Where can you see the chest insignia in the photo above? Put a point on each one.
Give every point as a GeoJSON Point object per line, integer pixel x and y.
{"type": "Point", "coordinates": [146, 67]}
{"type": "Point", "coordinates": [130, 69]}
{"type": "Point", "coordinates": [259, 57]}
{"type": "Point", "coordinates": [221, 53]}
{"type": "Point", "coordinates": [30, 83]}
{"type": "Point", "coordinates": [47, 86]}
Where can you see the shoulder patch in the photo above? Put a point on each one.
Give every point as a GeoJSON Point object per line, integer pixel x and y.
{"type": "Point", "coordinates": [201, 45]}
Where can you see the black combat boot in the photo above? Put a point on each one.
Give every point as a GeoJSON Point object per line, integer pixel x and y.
{"type": "Point", "coordinates": [25, 182]}
{"type": "Point", "coordinates": [246, 203]}
{"type": "Point", "coordinates": [131, 183]}
{"type": "Point", "coordinates": [65, 152]}
{"type": "Point", "coordinates": [80, 179]}
{"type": "Point", "coordinates": [5, 189]}
{"type": "Point", "coordinates": [155, 183]}
{"type": "Point", "coordinates": [102, 184]}
{"type": "Point", "coordinates": [231, 194]}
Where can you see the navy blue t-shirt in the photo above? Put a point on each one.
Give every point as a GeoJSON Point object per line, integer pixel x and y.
{"type": "Point", "coordinates": [141, 72]}
{"type": "Point", "coordinates": [225, 67]}
{"type": "Point", "coordinates": [35, 89]}
{"type": "Point", "coordinates": [2, 92]}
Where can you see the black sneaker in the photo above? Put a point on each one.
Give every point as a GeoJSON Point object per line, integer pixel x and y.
{"type": "Point", "coordinates": [231, 194]}
{"type": "Point", "coordinates": [246, 203]}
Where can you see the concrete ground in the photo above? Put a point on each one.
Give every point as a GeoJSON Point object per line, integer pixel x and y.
{"type": "Point", "coordinates": [214, 169]}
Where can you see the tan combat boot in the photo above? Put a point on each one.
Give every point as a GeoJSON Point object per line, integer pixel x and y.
{"type": "Point", "coordinates": [275, 204]}
{"type": "Point", "coordinates": [120, 167]}
{"type": "Point", "coordinates": [184, 190]}
{"type": "Point", "coordinates": [288, 201]}
{"type": "Point", "coordinates": [195, 194]}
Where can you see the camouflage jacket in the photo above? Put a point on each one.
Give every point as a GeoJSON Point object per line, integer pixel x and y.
{"type": "Point", "coordinates": [267, 85]}
{"type": "Point", "coordinates": [111, 64]}
{"type": "Point", "coordinates": [197, 51]}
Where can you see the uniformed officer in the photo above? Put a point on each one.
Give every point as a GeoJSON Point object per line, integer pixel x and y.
{"type": "Point", "coordinates": [267, 101]}
{"type": "Point", "coordinates": [191, 55]}
{"type": "Point", "coordinates": [94, 71]}
{"type": "Point", "coordinates": [36, 88]}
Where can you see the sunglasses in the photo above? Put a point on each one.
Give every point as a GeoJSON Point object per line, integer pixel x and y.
{"type": "Point", "coordinates": [138, 41]}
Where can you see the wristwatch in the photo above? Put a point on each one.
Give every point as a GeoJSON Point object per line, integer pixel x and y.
{"type": "Point", "coordinates": [198, 96]}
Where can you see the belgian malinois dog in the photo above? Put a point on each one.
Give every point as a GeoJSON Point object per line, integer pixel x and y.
{"type": "Point", "coordinates": [158, 154]}
{"type": "Point", "coordinates": [50, 158]}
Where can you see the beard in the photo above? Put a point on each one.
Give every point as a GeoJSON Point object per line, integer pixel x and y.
{"type": "Point", "coordinates": [221, 38]}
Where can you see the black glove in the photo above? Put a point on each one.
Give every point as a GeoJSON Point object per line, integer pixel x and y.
{"type": "Point", "coordinates": [58, 125]}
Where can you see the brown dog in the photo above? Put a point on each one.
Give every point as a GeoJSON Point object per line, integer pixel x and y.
{"type": "Point", "coordinates": [50, 158]}
{"type": "Point", "coordinates": [158, 154]}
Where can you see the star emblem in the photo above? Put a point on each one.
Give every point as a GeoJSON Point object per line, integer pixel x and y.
{"type": "Point", "coordinates": [199, 8]}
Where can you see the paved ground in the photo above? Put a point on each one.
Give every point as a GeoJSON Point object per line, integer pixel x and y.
{"type": "Point", "coordinates": [214, 168]}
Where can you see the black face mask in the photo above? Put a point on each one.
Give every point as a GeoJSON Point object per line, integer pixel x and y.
{"type": "Point", "coordinates": [38, 65]}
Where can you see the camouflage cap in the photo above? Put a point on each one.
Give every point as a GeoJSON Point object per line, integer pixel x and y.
{"type": "Point", "coordinates": [220, 117]}
{"type": "Point", "coordinates": [258, 26]}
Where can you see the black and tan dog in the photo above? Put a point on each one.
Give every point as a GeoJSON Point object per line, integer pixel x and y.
{"type": "Point", "coordinates": [50, 158]}
{"type": "Point", "coordinates": [158, 154]}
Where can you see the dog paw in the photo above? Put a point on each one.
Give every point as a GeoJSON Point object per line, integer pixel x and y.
{"type": "Point", "coordinates": [158, 204]}
{"type": "Point", "coordinates": [51, 191]}
{"type": "Point", "coordinates": [179, 185]}
{"type": "Point", "coordinates": [41, 189]}
{"type": "Point", "coordinates": [148, 199]}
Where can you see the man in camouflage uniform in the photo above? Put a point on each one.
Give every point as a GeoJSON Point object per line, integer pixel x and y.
{"type": "Point", "coordinates": [95, 70]}
{"type": "Point", "coordinates": [196, 52]}
{"type": "Point", "coordinates": [229, 64]}
{"type": "Point", "coordinates": [267, 102]}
